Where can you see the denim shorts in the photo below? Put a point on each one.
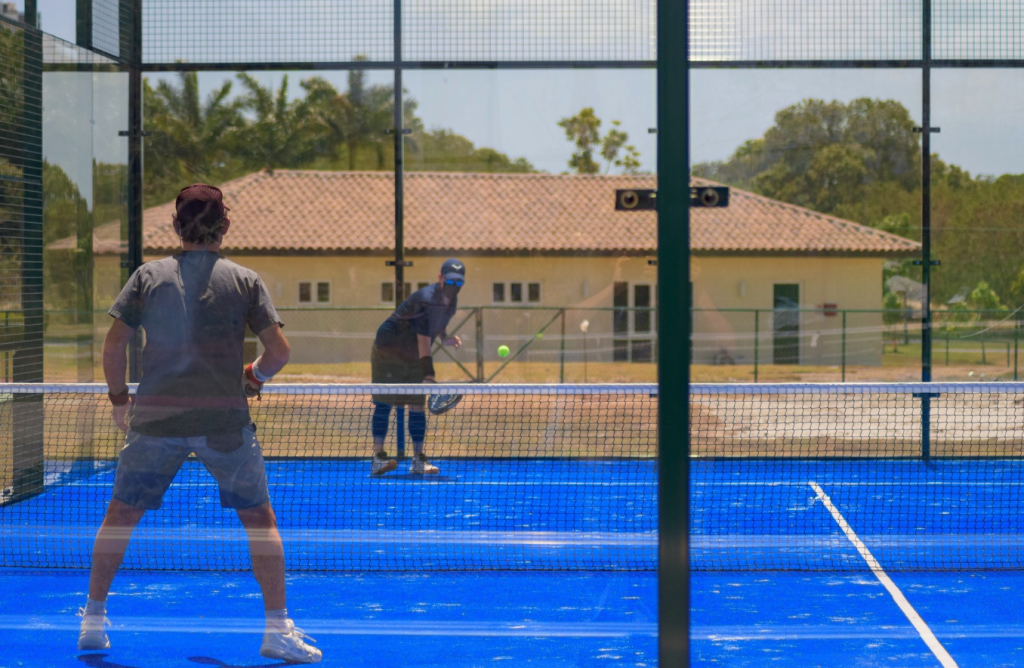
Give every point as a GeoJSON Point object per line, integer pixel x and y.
{"type": "Point", "coordinates": [147, 465]}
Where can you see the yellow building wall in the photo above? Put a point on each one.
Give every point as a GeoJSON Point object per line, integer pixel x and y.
{"type": "Point", "coordinates": [745, 283]}
{"type": "Point", "coordinates": [320, 332]}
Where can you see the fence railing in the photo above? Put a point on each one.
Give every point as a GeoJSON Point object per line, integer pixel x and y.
{"type": "Point", "coordinates": [558, 337]}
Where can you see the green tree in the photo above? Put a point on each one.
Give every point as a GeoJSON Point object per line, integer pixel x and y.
{"type": "Point", "coordinates": [191, 139]}
{"type": "Point", "coordinates": [442, 150]}
{"type": "Point", "coordinates": [984, 298]}
{"type": "Point", "coordinates": [280, 134]}
{"type": "Point", "coordinates": [584, 130]}
{"type": "Point", "coordinates": [826, 155]}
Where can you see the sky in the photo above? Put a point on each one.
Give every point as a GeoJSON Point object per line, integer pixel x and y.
{"type": "Point", "coordinates": [980, 112]}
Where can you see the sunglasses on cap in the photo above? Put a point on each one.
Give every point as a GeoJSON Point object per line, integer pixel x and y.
{"type": "Point", "coordinates": [454, 281]}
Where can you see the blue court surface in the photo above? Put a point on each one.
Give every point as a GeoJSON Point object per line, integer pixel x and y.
{"type": "Point", "coordinates": [798, 563]}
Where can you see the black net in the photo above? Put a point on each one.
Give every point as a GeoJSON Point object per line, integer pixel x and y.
{"type": "Point", "coordinates": [784, 477]}
{"type": "Point", "coordinates": [531, 477]}
{"type": "Point", "coordinates": [848, 477]}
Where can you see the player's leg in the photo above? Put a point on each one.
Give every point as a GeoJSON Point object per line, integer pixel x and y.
{"type": "Point", "coordinates": [146, 466]}
{"type": "Point", "coordinates": [236, 462]}
{"type": "Point", "coordinates": [382, 370]}
{"type": "Point", "coordinates": [379, 428]}
{"type": "Point", "coordinates": [418, 435]}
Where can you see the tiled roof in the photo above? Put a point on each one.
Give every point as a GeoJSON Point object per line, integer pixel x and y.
{"type": "Point", "coordinates": [353, 212]}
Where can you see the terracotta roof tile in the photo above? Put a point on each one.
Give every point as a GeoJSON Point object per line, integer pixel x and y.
{"type": "Point", "coordinates": [310, 211]}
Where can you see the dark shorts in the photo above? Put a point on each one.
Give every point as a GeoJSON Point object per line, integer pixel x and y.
{"type": "Point", "coordinates": [147, 465]}
{"type": "Point", "coordinates": [387, 367]}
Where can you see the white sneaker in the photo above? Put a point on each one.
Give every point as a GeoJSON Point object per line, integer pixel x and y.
{"type": "Point", "coordinates": [381, 464]}
{"type": "Point", "coordinates": [288, 645]}
{"type": "Point", "coordinates": [422, 466]}
{"type": "Point", "coordinates": [93, 634]}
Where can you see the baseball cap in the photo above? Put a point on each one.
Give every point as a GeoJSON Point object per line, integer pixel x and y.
{"type": "Point", "coordinates": [200, 201]}
{"type": "Point", "coordinates": [453, 269]}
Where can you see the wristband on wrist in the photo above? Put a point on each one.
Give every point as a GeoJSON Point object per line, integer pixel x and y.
{"type": "Point", "coordinates": [427, 364]}
{"type": "Point", "coordinates": [251, 375]}
{"type": "Point", "coordinates": [119, 399]}
{"type": "Point", "coordinates": [260, 376]}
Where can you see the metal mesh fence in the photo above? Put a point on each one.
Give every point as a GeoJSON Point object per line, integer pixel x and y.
{"type": "Point", "coordinates": [21, 199]}
{"type": "Point", "coordinates": [263, 31]}
{"type": "Point", "coordinates": [979, 30]}
{"type": "Point", "coordinates": [529, 30]}
{"type": "Point", "coordinates": [57, 51]}
{"type": "Point", "coordinates": [803, 30]}
{"type": "Point", "coordinates": [106, 26]}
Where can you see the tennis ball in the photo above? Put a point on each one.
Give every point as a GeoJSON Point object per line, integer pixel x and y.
{"type": "Point", "coordinates": [540, 335]}
{"type": "Point", "coordinates": [503, 351]}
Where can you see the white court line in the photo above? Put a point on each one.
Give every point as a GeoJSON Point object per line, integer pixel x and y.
{"type": "Point", "coordinates": [317, 627]}
{"type": "Point", "coordinates": [893, 483]}
{"type": "Point", "coordinates": [926, 633]}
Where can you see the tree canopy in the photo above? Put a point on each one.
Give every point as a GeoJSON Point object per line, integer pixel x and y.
{"type": "Point", "coordinates": [861, 161]}
{"type": "Point", "coordinates": [234, 132]}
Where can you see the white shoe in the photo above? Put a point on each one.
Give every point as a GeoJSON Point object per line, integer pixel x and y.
{"type": "Point", "coordinates": [287, 645]}
{"type": "Point", "coordinates": [93, 634]}
{"type": "Point", "coordinates": [381, 464]}
{"type": "Point", "coordinates": [422, 466]}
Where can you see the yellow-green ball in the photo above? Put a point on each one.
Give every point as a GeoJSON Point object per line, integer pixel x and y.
{"type": "Point", "coordinates": [503, 351]}
{"type": "Point", "coordinates": [540, 335]}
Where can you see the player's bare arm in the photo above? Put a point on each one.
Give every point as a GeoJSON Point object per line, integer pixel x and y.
{"type": "Point", "coordinates": [276, 352]}
{"type": "Point", "coordinates": [115, 368]}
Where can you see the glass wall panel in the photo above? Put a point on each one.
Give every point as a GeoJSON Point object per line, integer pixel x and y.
{"type": "Point", "coordinates": [977, 208]}
{"type": "Point", "coordinates": [84, 215]}
{"type": "Point", "coordinates": [808, 274]}
{"type": "Point", "coordinates": [306, 162]}
{"type": "Point", "coordinates": [514, 173]}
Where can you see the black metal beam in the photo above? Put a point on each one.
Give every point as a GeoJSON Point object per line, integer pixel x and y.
{"type": "Point", "coordinates": [408, 65]}
{"type": "Point", "coordinates": [135, 179]}
{"type": "Point", "coordinates": [673, 327]}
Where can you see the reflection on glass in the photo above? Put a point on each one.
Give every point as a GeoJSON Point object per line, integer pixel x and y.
{"type": "Point", "coordinates": [977, 201]}
{"type": "Point", "coordinates": [809, 271]}
{"type": "Point", "coordinates": [84, 215]}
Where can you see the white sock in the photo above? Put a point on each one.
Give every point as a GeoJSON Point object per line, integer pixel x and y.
{"type": "Point", "coordinates": [95, 607]}
{"type": "Point", "coordinates": [276, 619]}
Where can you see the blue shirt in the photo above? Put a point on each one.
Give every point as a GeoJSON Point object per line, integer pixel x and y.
{"type": "Point", "coordinates": [423, 313]}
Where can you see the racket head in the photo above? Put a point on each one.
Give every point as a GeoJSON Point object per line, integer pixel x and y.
{"type": "Point", "coordinates": [442, 403]}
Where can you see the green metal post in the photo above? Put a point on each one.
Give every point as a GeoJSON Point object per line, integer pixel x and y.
{"type": "Point", "coordinates": [757, 339]}
{"type": "Point", "coordinates": [947, 348]}
{"type": "Point", "coordinates": [844, 347]}
{"type": "Point", "coordinates": [479, 344]}
{"type": "Point", "coordinates": [673, 169]}
{"type": "Point", "coordinates": [561, 354]}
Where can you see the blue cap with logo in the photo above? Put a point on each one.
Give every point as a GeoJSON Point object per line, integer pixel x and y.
{"type": "Point", "coordinates": [453, 269]}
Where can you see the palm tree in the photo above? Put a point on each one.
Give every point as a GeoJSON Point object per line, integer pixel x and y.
{"type": "Point", "coordinates": [190, 137]}
{"type": "Point", "coordinates": [280, 133]}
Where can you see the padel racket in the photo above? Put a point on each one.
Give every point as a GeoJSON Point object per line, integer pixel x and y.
{"type": "Point", "coordinates": [442, 403]}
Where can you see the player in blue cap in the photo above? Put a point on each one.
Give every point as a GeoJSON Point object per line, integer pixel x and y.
{"type": "Point", "coordinates": [402, 354]}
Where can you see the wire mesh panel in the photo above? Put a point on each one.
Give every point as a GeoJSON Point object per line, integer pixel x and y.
{"type": "Point", "coordinates": [106, 23]}
{"type": "Point", "coordinates": [263, 31]}
{"type": "Point", "coordinates": [777, 30]}
{"type": "Point", "coordinates": [980, 30]}
{"type": "Point", "coordinates": [529, 30]}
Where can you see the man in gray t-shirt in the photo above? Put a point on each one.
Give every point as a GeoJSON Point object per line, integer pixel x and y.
{"type": "Point", "coordinates": [194, 308]}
